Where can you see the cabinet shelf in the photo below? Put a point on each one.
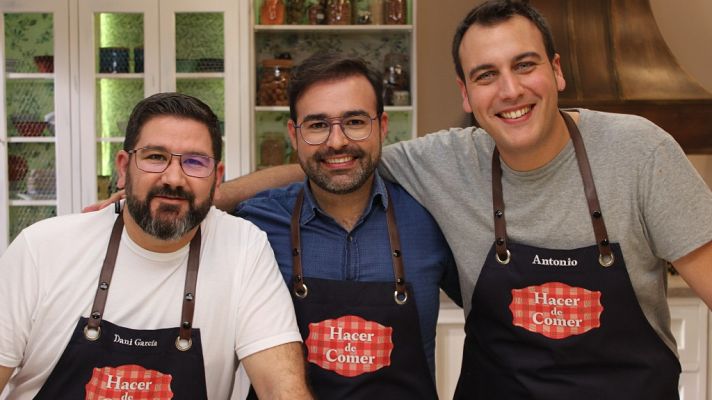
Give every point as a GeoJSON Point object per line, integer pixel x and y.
{"type": "Point", "coordinates": [30, 75]}
{"type": "Point", "coordinates": [25, 203]}
{"type": "Point", "coordinates": [119, 75]}
{"type": "Point", "coordinates": [332, 28]}
{"type": "Point", "coordinates": [27, 139]}
{"type": "Point", "coordinates": [286, 108]}
{"type": "Point", "coordinates": [200, 75]}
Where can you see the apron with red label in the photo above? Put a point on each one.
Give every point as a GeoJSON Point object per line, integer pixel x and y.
{"type": "Point", "coordinates": [561, 324]}
{"type": "Point", "coordinates": [105, 361]}
{"type": "Point", "coordinates": [362, 338]}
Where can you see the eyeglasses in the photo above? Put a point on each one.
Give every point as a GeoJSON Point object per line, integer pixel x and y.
{"type": "Point", "coordinates": [356, 127]}
{"type": "Point", "coordinates": [156, 161]}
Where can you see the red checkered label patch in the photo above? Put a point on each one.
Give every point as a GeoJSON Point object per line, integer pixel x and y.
{"type": "Point", "coordinates": [556, 310]}
{"type": "Point", "coordinates": [350, 345]}
{"type": "Point", "coordinates": [128, 382]}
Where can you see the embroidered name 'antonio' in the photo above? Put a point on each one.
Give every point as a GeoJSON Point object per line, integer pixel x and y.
{"type": "Point", "coordinates": [568, 262]}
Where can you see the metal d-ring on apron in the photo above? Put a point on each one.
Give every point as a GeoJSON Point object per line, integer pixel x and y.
{"type": "Point", "coordinates": [502, 254]}
{"type": "Point", "coordinates": [300, 288]}
{"type": "Point", "coordinates": [92, 331]}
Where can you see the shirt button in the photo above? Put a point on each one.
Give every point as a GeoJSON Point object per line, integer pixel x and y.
{"type": "Point", "coordinates": [351, 238]}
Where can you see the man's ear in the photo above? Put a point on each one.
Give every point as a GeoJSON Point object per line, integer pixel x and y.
{"type": "Point", "coordinates": [292, 134]}
{"type": "Point", "coordinates": [383, 126]}
{"type": "Point", "coordinates": [122, 166]}
{"type": "Point", "coordinates": [465, 98]}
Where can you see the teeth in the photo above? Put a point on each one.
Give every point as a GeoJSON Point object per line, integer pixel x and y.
{"type": "Point", "coordinates": [338, 160]}
{"type": "Point", "coordinates": [516, 113]}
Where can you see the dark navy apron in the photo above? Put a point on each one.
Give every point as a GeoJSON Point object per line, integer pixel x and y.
{"type": "Point", "coordinates": [362, 339]}
{"type": "Point", "coordinates": [107, 361]}
{"type": "Point", "coordinates": [561, 324]}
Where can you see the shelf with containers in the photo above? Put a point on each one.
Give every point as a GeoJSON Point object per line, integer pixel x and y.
{"type": "Point", "coordinates": [136, 48]}
{"type": "Point", "coordinates": [287, 36]}
{"type": "Point", "coordinates": [35, 181]}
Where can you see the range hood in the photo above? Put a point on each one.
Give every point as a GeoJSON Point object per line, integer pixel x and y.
{"type": "Point", "coordinates": [614, 59]}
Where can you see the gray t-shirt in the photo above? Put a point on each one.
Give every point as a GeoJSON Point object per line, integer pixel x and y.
{"type": "Point", "coordinates": [653, 201]}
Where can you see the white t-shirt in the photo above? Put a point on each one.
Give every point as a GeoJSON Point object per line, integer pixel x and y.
{"type": "Point", "coordinates": [49, 275]}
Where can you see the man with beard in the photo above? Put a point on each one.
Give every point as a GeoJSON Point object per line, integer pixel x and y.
{"type": "Point", "coordinates": [363, 259]}
{"type": "Point", "coordinates": [184, 291]}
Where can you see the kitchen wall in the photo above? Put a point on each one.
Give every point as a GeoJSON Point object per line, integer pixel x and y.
{"type": "Point", "coordinates": [686, 29]}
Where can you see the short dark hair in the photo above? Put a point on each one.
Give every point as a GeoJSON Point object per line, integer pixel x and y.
{"type": "Point", "coordinates": [328, 66]}
{"type": "Point", "coordinates": [175, 104]}
{"type": "Point", "coordinates": [496, 11]}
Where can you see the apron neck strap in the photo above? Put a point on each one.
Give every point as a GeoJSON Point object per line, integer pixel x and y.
{"type": "Point", "coordinates": [599, 227]}
{"type": "Point", "coordinates": [93, 329]}
{"type": "Point", "coordinates": [300, 289]}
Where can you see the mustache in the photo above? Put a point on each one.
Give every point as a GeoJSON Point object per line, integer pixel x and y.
{"type": "Point", "coordinates": [327, 153]}
{"type": "Point", "coordinates": [168, 191]}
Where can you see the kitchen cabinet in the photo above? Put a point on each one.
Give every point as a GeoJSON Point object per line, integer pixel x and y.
{"type": "Point", "coordinates": [131, 49]}
{"type": "Point", "coordinates": [35, 178]}
{"type": "Point", "coordinates": [287, 40]}
{"type": "Point", "coordinates": [73, 70]}
{"type": "Point", "coordinates": [689, 321]}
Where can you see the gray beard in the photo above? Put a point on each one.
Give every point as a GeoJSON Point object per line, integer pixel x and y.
{"type": "Point", "coordinates": [171, 227]}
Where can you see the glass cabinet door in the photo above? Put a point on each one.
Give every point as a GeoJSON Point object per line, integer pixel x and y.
{"type": "Point", "coordinates": [119, 64]}
{"type": "Point", "coordinates": [35, 182]}
{"type": "Point", "coordinates": [198, 60]}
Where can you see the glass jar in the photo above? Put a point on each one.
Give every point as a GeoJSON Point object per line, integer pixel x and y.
{"type": "Point", "coordinates": [273, 83]}
{"type": "Point", "coordinates": [317, 13]}
{"type": "Point", "coordinates": [396, 12]}
{"type": "Point", "coordinates": [376, 8]}
{"type": "Point", "coordinates": [295, 12]}
{"type": "Point", "coordinates": [272, 12]}
{"type": "Point", "coordinates": [338, 12]}
{"type": "Point", "coordinates": [272, 149]}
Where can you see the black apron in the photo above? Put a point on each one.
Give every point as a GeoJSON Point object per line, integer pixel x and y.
{"type": "Point", "coordinates": [560, 324]}
{"type": "Point", "coordinates": [107, 361]}
{"type": "Point", "coordinates": [362, 339]}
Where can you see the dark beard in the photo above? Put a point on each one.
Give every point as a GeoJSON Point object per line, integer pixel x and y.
{"type": "Point", "coordinates": [322, 180]}
{"type": "Point", "coordinates": [171, 227]}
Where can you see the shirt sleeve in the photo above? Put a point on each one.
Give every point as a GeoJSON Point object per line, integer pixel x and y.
{"type": "Point", "coordinates": [676, 203]}
{"type": "Point", "coordinates": [266, 314]}
{"type": "Point", "coordinates": [18, 295]}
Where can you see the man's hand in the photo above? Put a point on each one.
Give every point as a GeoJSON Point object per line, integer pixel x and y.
{"type": "Point", "coordinates": [5, 373]}
{"type": "Point", "coordinates": [103, 203]}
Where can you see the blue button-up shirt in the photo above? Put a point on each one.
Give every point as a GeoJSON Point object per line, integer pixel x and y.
{"type": "Point", "coordinates": [364, 253]}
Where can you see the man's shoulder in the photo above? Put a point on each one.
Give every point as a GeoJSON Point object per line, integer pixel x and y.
{"type": "Point", "coordinates": [279, 201]}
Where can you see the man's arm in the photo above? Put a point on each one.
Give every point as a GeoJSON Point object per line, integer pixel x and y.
{"type": "Point", "coordinates": [696, 269]}
{"type": "Point", "coordinates": [278, 372]}
{"type": "Point", "coordinates": [5, 373]}
{"type": "Point", "coordinates": [234, 191]}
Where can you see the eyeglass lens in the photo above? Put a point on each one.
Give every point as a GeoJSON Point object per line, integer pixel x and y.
{"type": "Point", "coordinates": [155, 160]}
{"type": "Point", "coordinates": [355, 127]}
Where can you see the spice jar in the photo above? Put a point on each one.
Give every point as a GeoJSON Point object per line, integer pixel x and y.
{"type": "Point", "coordinates": [295, 12]}
{"type": "Point", "coordinates": [272, 89]}
{"type": "Point", "coordinates": [317, 13]}
{"type": "Point", "coordinates": [338, 12]}
{"type": "Point", "coordinates": [272, 151]}
{"type": "Point", "coordinates": [272, 12]}
{"type": "Point", "coordinates": [396, 12]}
{"type": "Point", "coordinates": [376, 8]}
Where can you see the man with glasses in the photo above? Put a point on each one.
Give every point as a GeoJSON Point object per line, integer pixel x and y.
{"type": "Point", "coordinates": [165, 303]}
{"type": "Point", "coordinates": [363, 260]}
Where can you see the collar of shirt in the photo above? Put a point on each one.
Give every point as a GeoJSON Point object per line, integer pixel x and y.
{"type": "Point", "coordinates": [379, 196]}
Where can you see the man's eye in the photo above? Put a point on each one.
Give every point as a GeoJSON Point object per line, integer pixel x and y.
{"type": "Point", "coordinates": [195, 161]}
{"type": "Point", "coordinates": [485, 77]}
{"type": "Point", "coordinates": [156, 157]}
{"type": "Point", "coordinates": [317, 125]}
{"type": "Point", "coordinates": [355, 122]}
{"type": "Point", "coordinates": [524, 66]}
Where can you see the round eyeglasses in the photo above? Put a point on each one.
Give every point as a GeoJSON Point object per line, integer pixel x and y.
{"type": "Point", "coordinates": [156, 161]}
{"type": "Point", "coordinates": [356, 127]}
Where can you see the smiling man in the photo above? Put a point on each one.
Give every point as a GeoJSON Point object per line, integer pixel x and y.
{"type": "Point", "coordinates": [363, 259]}
{"type": "Point", "coordinates": [155, 303]}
